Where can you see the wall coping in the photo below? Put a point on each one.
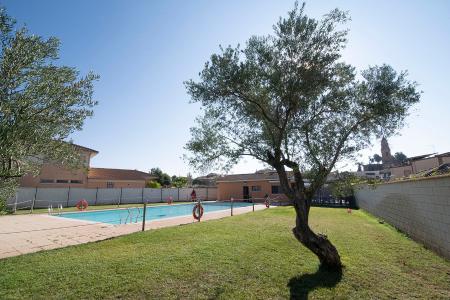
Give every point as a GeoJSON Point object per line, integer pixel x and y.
{"type": "Point", "coordinates": [406, 180]}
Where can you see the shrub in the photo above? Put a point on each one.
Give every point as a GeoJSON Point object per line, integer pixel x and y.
{"type": "Point", "coordinates": [153, 185]}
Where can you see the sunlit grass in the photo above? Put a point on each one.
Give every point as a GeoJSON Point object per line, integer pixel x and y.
{"type": "Point", "coordinates": [251, 256]}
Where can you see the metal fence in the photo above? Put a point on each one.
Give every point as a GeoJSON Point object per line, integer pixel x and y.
{"type": "Point", "coordinates": [31, 198]}
{"type": "Point", "coordinates": [323, 197]}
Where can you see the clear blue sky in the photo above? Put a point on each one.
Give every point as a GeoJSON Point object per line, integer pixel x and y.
{"type": "Point", "coordinates": [144, 50]}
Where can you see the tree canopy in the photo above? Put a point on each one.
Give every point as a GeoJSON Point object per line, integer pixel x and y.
{"type": "Point", "coordinates": [289, 96]}
{"type": "Point", "coordinates": [400, 157]}
{"type": "Point", "coordinates": [288, 100]}
{"type": "Point", "coordinates": [41, 102]}
{"type": "Point", "coordinates": [179, 181]}
{"type": "Point", "coordinates": [376, 158]}
{"type": "Point", "coordinates": [162, 178]}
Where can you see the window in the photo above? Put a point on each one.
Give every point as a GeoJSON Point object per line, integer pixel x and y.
{"type": "Point", "coordinates": [47, 181]}
{"type": "Point", "coordinates": [76, 181]}
{"type": "Point", "coordinates": [256, 188]}
{"type": "Point", "coordinates": [62, 181]}
{"type": "Point", "coordinates": [109, 184]}
{"type": "Point", "coordinates": [275, 189]}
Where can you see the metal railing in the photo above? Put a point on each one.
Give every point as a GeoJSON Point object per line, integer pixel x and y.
{"type": "Point", "coordinates": [134, 215]}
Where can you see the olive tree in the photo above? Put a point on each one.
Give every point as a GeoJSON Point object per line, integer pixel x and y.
{"type": "Point", "coordinates": [41, 104]}
{"type": "Point", "coordinates": [289, 101]}
{"type": "Point", "coordinates": [376, 158]}
{"type": "Point", "coordinates": [400, 157]}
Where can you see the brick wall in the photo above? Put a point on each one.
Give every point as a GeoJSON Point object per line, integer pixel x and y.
{"type": "Point", "coordinates": [103, 183]}
{"type": "Point", "coordinates": [53, 172]}
{"type": "Point", "coordinates": [420, 208]}
{"type": "Point", "coordinates": [228, 190]}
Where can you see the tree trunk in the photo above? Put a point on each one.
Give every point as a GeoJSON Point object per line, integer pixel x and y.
{"type": "Point", "coordinates": [318, 244]}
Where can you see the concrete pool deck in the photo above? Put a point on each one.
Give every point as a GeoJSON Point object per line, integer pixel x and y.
{"type": "Point", "coordinates": [21, 234]}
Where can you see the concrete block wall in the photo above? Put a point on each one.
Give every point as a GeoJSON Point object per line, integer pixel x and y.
{"type": "Point", "coordinates": [44, 197]}
{"type": "Point", "coordinates": [420, 208]}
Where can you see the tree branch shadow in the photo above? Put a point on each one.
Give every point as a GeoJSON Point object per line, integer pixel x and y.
{"type": "Point", "coordinates": [300, 286]}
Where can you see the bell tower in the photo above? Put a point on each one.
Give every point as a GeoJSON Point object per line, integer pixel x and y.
{"type": "Point", "coordinates": [386, 156]}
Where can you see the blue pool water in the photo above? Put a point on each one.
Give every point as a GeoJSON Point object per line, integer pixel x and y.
{"type": "Point", "coordinates": [132, 215]}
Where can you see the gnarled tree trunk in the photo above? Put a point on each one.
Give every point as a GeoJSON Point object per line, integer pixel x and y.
{"type": "Point", "coordinates": [318, 244]}
{"type": "Point", "coordinates": [301, 198]}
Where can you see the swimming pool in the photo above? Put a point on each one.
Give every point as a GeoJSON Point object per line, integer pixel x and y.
{"type": "Point", "coordinates": [135, 214]}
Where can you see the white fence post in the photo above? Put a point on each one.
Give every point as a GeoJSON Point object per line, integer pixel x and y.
{"type": "Point", "coordinates": [120, 198]}
{"type": "Point", "coordinates": [15, 202]}
{"type": "Point", "coordinates": [96, 196]}
{"type": "Point", "coordinates": [68, 197]}
{"type": "Point", "coordinates": [34, 199]}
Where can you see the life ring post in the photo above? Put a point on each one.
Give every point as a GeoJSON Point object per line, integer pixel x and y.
{"type": "Point", "coordinates": [199, 214]}
{"type": "Point", "coordinates": [232, 200]}
{"type": "Point", "coordinates": [143, 218]}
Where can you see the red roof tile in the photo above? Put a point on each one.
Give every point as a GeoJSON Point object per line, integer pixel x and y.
{"type": "Point", "coordinates": [117, 174]}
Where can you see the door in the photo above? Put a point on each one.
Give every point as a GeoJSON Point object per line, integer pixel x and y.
{"type": "Point", "coordinates": [245, 192]}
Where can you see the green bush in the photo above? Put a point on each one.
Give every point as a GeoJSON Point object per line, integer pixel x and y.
{"type": "Point", "coordinates": [153, 185]}
{"type": "Point", "coordinates": [7, 190]}
{"type": "Point", "coordinates": [2, 205]}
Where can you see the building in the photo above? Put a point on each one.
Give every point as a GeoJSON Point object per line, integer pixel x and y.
{"type": "Point", "coordinates": [373, 171]}
{"type": "Point", "coordinates": [117, 178]}
{"type": "Point", "coordinates": [261, 183]}
{"type": "Point", "coordinates": [393, 168]}
{"type": "Point", "coordinates": [386, 157]}
{"type": "Point", "coordinates": [417, 164]}
{"type": "Point", "coordinates": [206, 181]}
{"type": "Point", "coordinates": [378, 171]}
{"type": "Point", "coordinates": [54, 175]}
{"type": "Point", "coordinates": [246, 186]}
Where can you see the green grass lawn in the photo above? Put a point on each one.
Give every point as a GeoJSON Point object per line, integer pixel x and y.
{"type": "Point", "coordinates": [251, 256]}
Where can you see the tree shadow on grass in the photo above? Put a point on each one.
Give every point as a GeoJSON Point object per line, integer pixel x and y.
{"type": "Point", "coordinates": [300, 286]}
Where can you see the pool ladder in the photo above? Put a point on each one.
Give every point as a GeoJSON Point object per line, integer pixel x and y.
{"type": "Point", "coordinates": [130, 216]}
{"type": "Point", "coordinates": [51, 211]}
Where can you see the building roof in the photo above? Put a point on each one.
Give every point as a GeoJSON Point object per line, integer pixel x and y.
{"type": "Point", "coordinates": [92, 151]}
{"type": "Point", "coordinates": [250, 177]}
{"type": "Point", "coordinates": [446, 154]}
{"type": "Point", "coordinates": [268, 175]}
{"type": "Point", "coordinates": [373, 167]}
{"type": "Point", "coordinates": [117, 174]}
{"type": "Point", "coordinates": [419, 157]}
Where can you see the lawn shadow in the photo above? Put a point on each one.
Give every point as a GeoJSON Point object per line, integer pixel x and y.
{"type": "Point", "coordinates": [300, 286]}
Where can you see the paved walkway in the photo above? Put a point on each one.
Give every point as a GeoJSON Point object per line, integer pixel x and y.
{"type": "Point", "coordinates": [31, 233]}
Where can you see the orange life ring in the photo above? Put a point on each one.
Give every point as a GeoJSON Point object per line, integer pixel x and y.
{"type": "Point", "coordinates": [82, 204]}
{"type": "Point", "coordinates": [267, 203]}
{"type": "Point", "coordinates": [197, 211]}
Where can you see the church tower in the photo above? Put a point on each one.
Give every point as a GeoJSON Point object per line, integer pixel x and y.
{"type": "Point", "coordinates": [386, 156]}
